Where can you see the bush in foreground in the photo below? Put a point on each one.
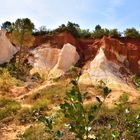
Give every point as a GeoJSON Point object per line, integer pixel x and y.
{"type": "Point", "coordinates": [89, 122]}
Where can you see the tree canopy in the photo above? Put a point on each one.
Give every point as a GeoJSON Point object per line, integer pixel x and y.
{"type": "Point", "coordinates": [7, 26]}
{"type": "Point", "coordinates": [25, 26]}
{"type": "Point", "coordinates": [22, 37]}
{"type": "Point", "coordinates": [132, 33]}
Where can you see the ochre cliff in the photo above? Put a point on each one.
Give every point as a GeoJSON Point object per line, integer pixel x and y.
{"type": "Point", "coordinates": [122, 51]}
{"type": "Point", "coordinates": [7, 50]}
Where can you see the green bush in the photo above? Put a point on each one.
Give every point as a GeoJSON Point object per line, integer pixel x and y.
{"type": "Point", "coordinates": [83, 33]}
{"type": "Point", "coordinates": [54, 94]}
{"type": "Point", "coordinates": [132, 33]}
{"type": "Point", "coordinates": [37, 132]}
{"type": "Point", "coordinates": [114, 33]}
{"type": "Point", "coordinates": [7, 81]}
{"type": "Point", "coordinates": [89, 122]}
{"type": "Point", "coordinates": [40, 105]}
{"type": "Point", "coordinates": [81, 119]}
{"type": "Point", "coordinates": [136, 81]}
{"type": "Point", "coordinates": [100, 32]}
{"type": "Point", "coordinates": [25, 116]}
{"type": "Point", "coordinates": [8, 107]}
{"type": "Point", "coordinates": [28, 115]}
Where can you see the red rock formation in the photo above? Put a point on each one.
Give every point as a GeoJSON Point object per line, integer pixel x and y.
{"type": "Point", "coordinates": [57, 40]}
{"type": "Point", "coordinates": [121, 51]}
{"type": "Point", "coordinates": [88, 48]}
{"type": "Point", "coordinates": [63, 38]}
{"type": "Point", "coordinates": [41, 39]}
{"type": "Point", "coordinates": [123, 47]}
{"type": "Point", "coordinates": [113, 48]}
{"type": "Point", "coordinates": [133, 53]}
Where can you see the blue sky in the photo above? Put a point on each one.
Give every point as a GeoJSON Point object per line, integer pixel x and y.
{"type": "Point", "coordinates": [119, 14]}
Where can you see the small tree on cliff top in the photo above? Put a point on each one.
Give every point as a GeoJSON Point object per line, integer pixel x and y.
{"type": "Point", "coordinates": [7, 25]}
{"type": "Point", "coordinates": [132, 33]}
{"type": "Point", "coordinates": [99, 32]}
{"type": "Point", "coordinates": [22, 37]}
{"type": "Point", "coordinates": [114, 33]}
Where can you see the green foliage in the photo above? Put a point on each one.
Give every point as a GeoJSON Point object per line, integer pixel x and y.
{"type": "Point", "coordinates": [19, 74]}
{"type": "Point", "coordinates": [22, 32]}
{"type": "Point", "coordinates": [54, 94]}
{"type": "Point", "coordinates": [127, 121]}
{"type": "Point", "coordinates": [70, 27]}
{"type": "Point", "coordinates": [37, 132]}
{"type": "Point", "coordinates": [84, 33]}
{"type": "Point", "coordinates": [133, 125]}
{"type": "Point", "coordinates": [99, 32]}
{"type": "Point", "coordinates": [28, 115]}
{"type": "Point", "coordinates": [90, 122]}
{"type": "Point", "coordinates": [49, 127]}
{"type": "Point", "coordinates": [8, 107]}
{"type": "Point", "coordinates": [73, 28]}
{"type": "Point", "coordinates": [114, 33]}
{"type": "Point", "coordinates": [81, 120]}
{"type": "Point", "coordinates": [74, 72]}
{"type": "Point", "coordinates": [122, 103]}
{"type": "Point", "coordinates": [48, 122]}
{"type": "Point", "coordinates": [136, 81]}
{"type": "Point", "coordinates": [7, 25]}
{"type": "Point", "coordinates": [7, 81]}
{"type": "Point", "coordinates": [61, 28]}
{"type": "Point", "coordinates": [22, 37]}
{"type": "Point", "coordinates": [98, 27]}
{"type": "Point", "coordinates": [105, 90]}
{"type": "Point", "coordinates": [25, 116]}
{"type": "Point", "coordinates": [42, 31]}
{"type": "Point", "coordinates": [40, 105]}
{"type": "Point", "coordinates": [132, 33]}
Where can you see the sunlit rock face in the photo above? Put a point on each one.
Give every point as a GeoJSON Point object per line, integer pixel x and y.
{"type": "Point", "coordinates": [45, 58]}
{"type": "Point", "coordinates": [7, 50]}
{"type": "Point", "coordinates": [68, 57]}
{"type": "Point", "coordinates": [114, 50]}
{"type": "Point", "coordinates": [101, 69]}
{"type": "Point", "coordinates": [55, 62]}
{"type": "Point", "coordinates": [123, 50]}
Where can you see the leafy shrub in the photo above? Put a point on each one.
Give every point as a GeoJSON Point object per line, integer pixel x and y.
{"type": "Point", "coordinates": [47, 128]}
{"type": "Point", "coordinates": [42, 75]}
{"type": "Point", "coordinates": [100, 32]}
{"type": "Point", "coordinates": [25, 116]}
{"type": "Point", "coordinates": [70, 27]}
{"type": "Point", "coordinates": [37, 132]}
{"type": "Point", "coordinates": [54, 94]}
{"type": "Point", "coordinates": [7, 26]}
{"type": "Point", "coordinates": [81, 120]}
{"type": "Point", "coordinates": [126, 121]}
{"type": "Point", "coordinates": [95, 121]}
{"type": "Point", "coordinates": [84, 33]}
{"type": "Point", "coordinates": [6, 80]}
{"type": "Point", "coordinates": [40, 105]}
{"type": "Point", "coordinates": [136, 81]}
{"type": "Point", "coordinates": [8, 107]}
{"type": "Point", "coordinates": [74, 72]}
{"type": "Point", "coordinates": [114, 33]}
{"type": "Point", "coordinates": [28, 115]}
{"type": "Point", "coordinates": [15, 71]}
{"type": "Point", "coordinates": [132, 33]}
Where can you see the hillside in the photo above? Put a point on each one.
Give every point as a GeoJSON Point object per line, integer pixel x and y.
{"type": "Point", "coordinates": [51, 64]}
